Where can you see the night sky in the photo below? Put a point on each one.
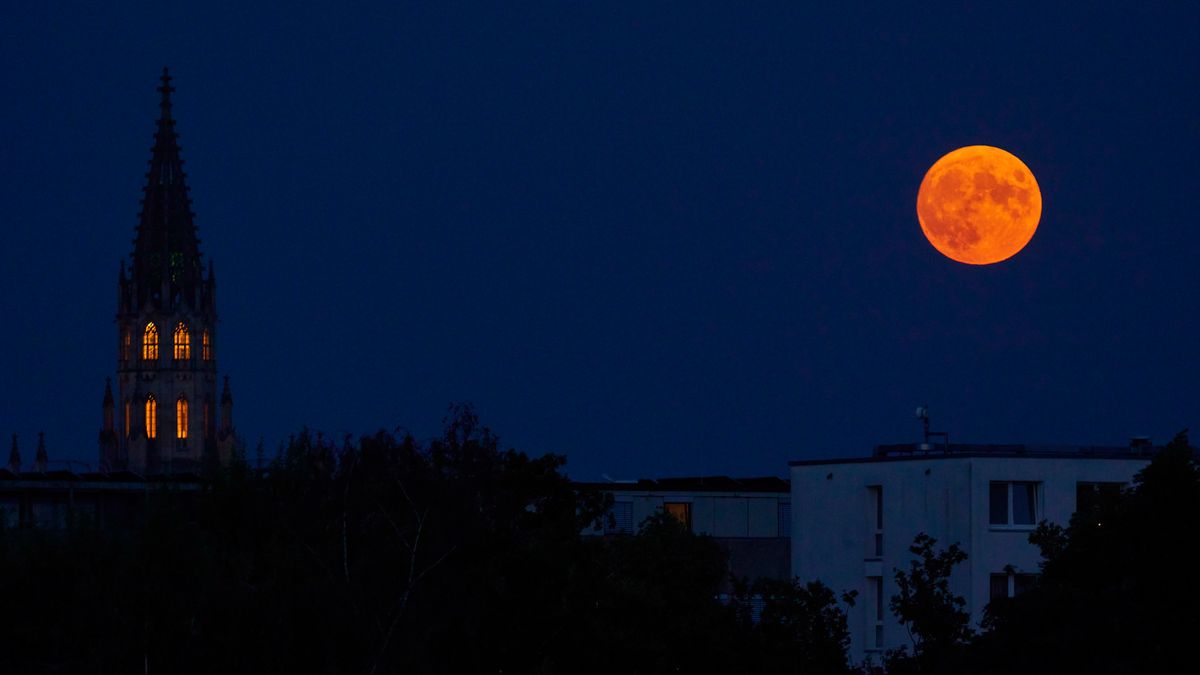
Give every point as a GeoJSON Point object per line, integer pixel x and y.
{"type": "Point", "coordinates": [664, 240]}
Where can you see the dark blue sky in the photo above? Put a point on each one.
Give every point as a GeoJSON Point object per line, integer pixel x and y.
{"type": "Point", "coordinates": [665, 240]}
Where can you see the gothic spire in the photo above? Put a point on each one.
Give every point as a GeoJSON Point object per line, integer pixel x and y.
{"type": "Point", "coordinates": [41, 460]}
{"type": "Point", "coordinates": [166, 252]}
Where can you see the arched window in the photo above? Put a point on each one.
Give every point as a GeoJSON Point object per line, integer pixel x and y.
{"type": "Point", "coordinates": [207, 428]}
{"type": "Point", "coordinates": [151, 417]}
{"type": "Point", "coordinates": [150, 343]}
{"type": "Point", "coordinates": [183, 342]}
{"type": "Point", "coordinates": [181, 417]}
{"type": "Point", "coordinates": [126, 346]}
{"type": "Point", "coordinates": [128, 416]}
{"type": "Point", "coordinates": [205, 346]}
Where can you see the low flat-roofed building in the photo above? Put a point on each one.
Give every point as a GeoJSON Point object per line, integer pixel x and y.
{"type": "Point", "coordinates": [49, 500]}
{"type": "Point", "coordinates": [750, 518]}
{"type": "Point", "coordinates": [853, 520]}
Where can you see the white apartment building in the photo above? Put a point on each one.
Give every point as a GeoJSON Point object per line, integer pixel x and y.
{"type": "Point", "coordinates": [853, 520]}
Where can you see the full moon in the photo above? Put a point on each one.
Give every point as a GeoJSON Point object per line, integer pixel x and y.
{"type": "Point", "coordinates": [979, 205]}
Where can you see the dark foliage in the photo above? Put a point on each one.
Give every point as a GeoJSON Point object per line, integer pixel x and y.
{"type": "Point", "coordinates": [801, 627]}
{"type": "Point", "coordinates": [384, 555]}
{"type": "Point", "coordinates": [1118, 589]}
{"type": "Point", "coordinates": [934, 616]}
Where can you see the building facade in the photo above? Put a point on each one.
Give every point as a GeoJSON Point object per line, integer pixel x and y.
{"type": "Point", "coordinates": [854, 520]}
{"type": "Point", "coordinates": [749, 518]}
{"type": "Point", "coordinates": [167, 415]}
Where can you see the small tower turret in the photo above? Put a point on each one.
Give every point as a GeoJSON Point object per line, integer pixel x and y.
{"type": "Point", "coordinates": [14, 457]}
{"type": "Point", "coordinates": [108, 432]}
{"type": "Point", "coordinates": [40, 462]}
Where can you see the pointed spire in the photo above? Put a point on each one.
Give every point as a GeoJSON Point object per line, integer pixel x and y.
{"type": "Point", "coordinates": [166, 251]}
{"type": "Point", "coordinates": [166, 90]}
{"type": "Point", "coordinates": [14, 457]}
{"type": "Point", "coordinates": [226, 407]}
{"type": "Point", "coordinates": [39, 463]}
{"type": "Point", "coordinates": [108, 405]}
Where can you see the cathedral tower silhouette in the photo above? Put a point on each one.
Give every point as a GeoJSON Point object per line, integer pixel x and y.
{"type": "Point", "coordinates": [165, 416]}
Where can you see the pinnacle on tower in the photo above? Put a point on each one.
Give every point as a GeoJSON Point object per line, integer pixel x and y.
{"type": "Point", "coordinates": [40, 462]}
{"type": "Point", "coordinates": [14, 457]}
{"type": "Point", "coordinates": [226, 407]}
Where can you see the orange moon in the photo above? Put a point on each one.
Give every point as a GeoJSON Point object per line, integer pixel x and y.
{"type": "Point", "coordinates": [979, 205]}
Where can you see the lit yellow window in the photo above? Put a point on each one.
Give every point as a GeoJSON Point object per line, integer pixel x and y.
{"type": "Point", "coordinates": [205, 346]}
{"type": "Point", "coordinates": [183, 342]}
{"type": "Point", "coordinates": [681, 511]}
{"type": "Point", "coordinates": [150, 343]}
{"type": "Point", "coordinates": [126, 346]}
{"type": "Point", "coordinates": [181, 417]}
{"type": "Point", "coordinates": [128, 416]}
{"type": "Point", "coordinates": [151, 417]}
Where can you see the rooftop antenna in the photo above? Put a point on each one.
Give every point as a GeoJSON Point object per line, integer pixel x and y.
{"type": "Point", "coordinates": [923, 415]}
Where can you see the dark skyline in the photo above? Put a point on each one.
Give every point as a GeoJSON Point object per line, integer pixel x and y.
{"type": "Point", "coordinates": [662, 241]}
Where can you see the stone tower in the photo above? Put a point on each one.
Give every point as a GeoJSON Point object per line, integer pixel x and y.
{"type": "Point", "coordinates": [166, 416]}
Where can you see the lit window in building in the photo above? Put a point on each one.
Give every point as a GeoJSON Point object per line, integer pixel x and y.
{"type": "Point", "coordinates": [151, 417]}
{"type": "Point", "coordinates": [181, 417]}
{"type": "Point", "coordinates": [150, 343]}
{"type": "Point", "coordinates": [205, 346]}
{"type": "Point", "coordinates": [1013, 503]}
{"type": "Point", "coordinates": [682, 512]}
{"type": "Point", "coordinates": [183, 342]}
{"type": "Point", "coordinates": [128, 416]}
{"type": "Point", "coordinates": [126, 346]}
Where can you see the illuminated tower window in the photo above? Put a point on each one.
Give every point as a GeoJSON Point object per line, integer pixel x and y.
{"type": "Point", "coordinates": [128, 416]}
{"type": "Point", "coordinates": [126, 346]}
{"type": "Point", "coordinates": [151, 417]}
{"type": "Point", "coordinates": [150, 343]}
{"type": "Point", "coordinates": [181, 417]}
{"type": "Point", "coordinates": [183, 342]}
{"type": "Point", "coordinates": [205, 346]}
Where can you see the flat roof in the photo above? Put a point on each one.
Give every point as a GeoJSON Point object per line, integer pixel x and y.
{"type": "Point", "coordinates": [915, 451]}
{"type": "Point", "coordinates": [695, 484]}
{"type": "Point", "coordinates": [118, 480]}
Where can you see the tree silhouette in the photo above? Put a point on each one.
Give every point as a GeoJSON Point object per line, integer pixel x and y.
{"type": "Point", "coordinates": [935, 617]}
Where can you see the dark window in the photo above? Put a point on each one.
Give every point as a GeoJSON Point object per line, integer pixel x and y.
{"type": "Point", "coordinates": [1010, 584]}
{"type": "Point", "coordinates": [785, 519]}
{"type": "Point", "coordinates": [1012, 503]}
{"type": "Point", "coordinates": [1024, 500]}
{"type": "Point", "coordinates": [1023, 582]}
{"type": "Point", "coordinates": [998, 586]}
{"type": "Point", "coordinates": [998, 497]}
{"type": "Point", "coordinates": [622, 519]}
{"type": "Point", "coordinates": [1090, 496]}
{"type": "Point", "coordinates": [875, 517]}
{"type": "Point", "coordinates": [875, 627]}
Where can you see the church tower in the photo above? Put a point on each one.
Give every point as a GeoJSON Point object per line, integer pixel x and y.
{"type": "Point", "coordinates": [163, 417]}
